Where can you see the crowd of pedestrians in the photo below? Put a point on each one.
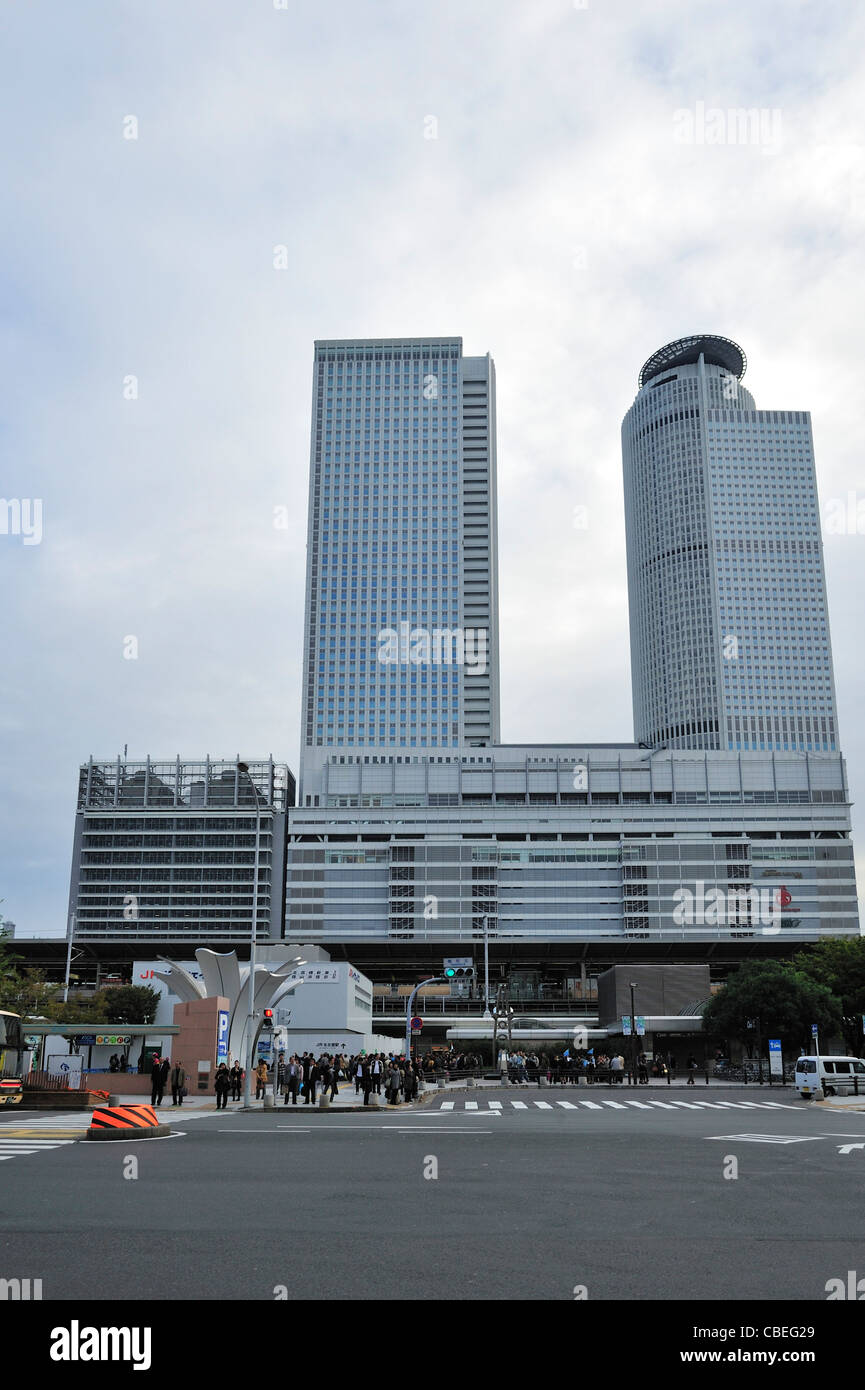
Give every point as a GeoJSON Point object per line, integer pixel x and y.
{"type": "Point", "coordinates": [593, 1067]}
{"type": "Point", "coordinates": [302, 1078]}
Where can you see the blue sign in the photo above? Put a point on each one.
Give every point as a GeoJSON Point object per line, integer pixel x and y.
{"type": "Point", "coordinates": [774, 1044]}
{"type": "Point", "coordinates": [813, 1030]}
{"type": "Point", "coordinates": [222, 1037]}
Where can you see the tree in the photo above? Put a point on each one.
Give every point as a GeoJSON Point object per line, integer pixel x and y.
{"type": "Point", "coordinates": [27, 993]}
{"type": "Point", "coordinates": [785, 1001]}
{"type": "Point", "coordinates": [129, 1003]}
{"type": "Point", "coordinates": [839, 964]}
{"type": "Point", "coordinates": [8, 961]}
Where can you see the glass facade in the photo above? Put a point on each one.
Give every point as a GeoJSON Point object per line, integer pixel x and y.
{"type": "Point", "coordinates": [401, 557]}
{"type": "Point", "coordinates": [730, 640]}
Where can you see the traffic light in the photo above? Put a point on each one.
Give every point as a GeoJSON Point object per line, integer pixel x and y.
{"type": "Point", "coordinates": [267, 1018]}
{"type": "Point", "coordinates": [459, 968]}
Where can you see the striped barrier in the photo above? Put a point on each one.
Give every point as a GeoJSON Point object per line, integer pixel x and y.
{"type": "Point", "coordinates": [124, 1122]}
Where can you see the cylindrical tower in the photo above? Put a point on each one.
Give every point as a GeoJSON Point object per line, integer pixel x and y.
{"type": "Point", "coordinates": [675, 643]}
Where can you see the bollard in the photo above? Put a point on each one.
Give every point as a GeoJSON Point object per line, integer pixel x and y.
{"type": "Point", "coordinates": [113, 1100]}
{"type": "Point", "coordinates": [470, 1081]}
{"type": "Point", "coordinates": [268, 1101]}
{"type": "Point", "coordinates": [440, 1083]}
{"type": "Point", "coordinates": [668, 1076]}
{"type": "Point", "coordinates": [324, 1101]}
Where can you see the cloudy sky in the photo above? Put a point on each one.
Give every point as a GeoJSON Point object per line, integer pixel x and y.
{"type": "Point", "coordinates": [518, 172]}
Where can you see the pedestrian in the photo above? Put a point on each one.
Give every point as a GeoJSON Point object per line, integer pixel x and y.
{"type": "Point", "coordinates": [293, 1080]}
{"type": "Point", "coordinates": [124, 1063]}
{"type": "Point", "coordinates": [178, 1083]}
{"type": "Point", "coordinates": [393, 1084]}
{"type": "Point", "coordinates": [158, 1073]}
{"type": "Point", "coordinates": [261, 1079]}
{"type": "Point", "coordinates": [332, 1079]}
{"type": "Point", "coordinates": [692, 1067]}
{"type": "Point", "coordinates": [409, 1082]}
{"type": "Point", "coordinates": [113, 1063]}
{"type": "Point", "coordinates": [222, 1085]}
{"type": "Point", "coordinates": [367, 1080]}
{"type": "Point", "coordinates": [236, 1078]}
{"type": "Point", "coordinates": [377, 1072]}
{"type": "Point", "coordinates": [358, 1074]}
{"type": "Point", "coordinates": [310, 1078]}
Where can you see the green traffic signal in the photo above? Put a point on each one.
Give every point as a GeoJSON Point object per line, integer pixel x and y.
{"type": "Point", "coordinates": [450, 972]}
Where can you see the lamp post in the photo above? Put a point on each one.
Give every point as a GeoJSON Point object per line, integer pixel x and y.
{"type": "Point", "coordinates": [487, 1014]}
{"type": "Point", "coordinates": [250, 1020]}
{"type": "Point", "coordinates": [69, 935]}
{"type": "Point", "coordinates": [633, 1038]}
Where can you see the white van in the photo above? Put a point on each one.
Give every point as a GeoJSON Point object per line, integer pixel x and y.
{"type": "Point", "coordinates": [835, 1075]}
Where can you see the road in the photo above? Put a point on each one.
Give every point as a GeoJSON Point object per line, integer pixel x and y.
{"type": "Point", "coordinates": [619, 1198]}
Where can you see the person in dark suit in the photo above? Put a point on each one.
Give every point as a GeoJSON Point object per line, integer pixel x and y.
{"type": "Point", "coordinates": [236, 1078]}
{"type": "Point", "coordinates": [158, 1077]}
{"type": "Point", "coordinates": [310, 1079]}
{"type": "Point", "coordinates": [222, 1085]}
{"type": "Point", "coordinates": [293, 1074]}
{"type": "Point", "coordinates": [367, 1079]}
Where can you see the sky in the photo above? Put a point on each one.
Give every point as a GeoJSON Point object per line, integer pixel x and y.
{"type": "Point", "coordinates": [198, 189]}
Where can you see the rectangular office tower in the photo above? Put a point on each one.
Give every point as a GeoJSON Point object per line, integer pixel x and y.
{"type": "Point", "coordinates": [401, 630]}
{"type": "Point", "coordinates": [180, 853]}
{"type": "Point", "coordinates": [729, 626]}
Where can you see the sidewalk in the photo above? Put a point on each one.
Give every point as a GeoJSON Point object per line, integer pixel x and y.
{"type": "Point", "coordinates": [346, 1101]}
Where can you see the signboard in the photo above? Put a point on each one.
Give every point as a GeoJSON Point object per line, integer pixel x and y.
{"type": "Point", "coordinates": [776, 1063]}
{"type": "Point", "coordinates": [222, 1037]}
{"type": "Point", "coordinates": [86, 1039]}
{"type": "Point", "coordinates": [265, 1046]}
{"type": "Point", "coordinates": [59, 1065]}
{"type": "Point", "coordinates": [641, 1026]}
{"type": "Point", "coordinates": [112, 1039]}
{"type": "Point", "coordinates": [813, 1030]}
{"type": "Point", "coordinates": [416, 1025]}
{"type": "Point", "coordinates": [626, 1025]}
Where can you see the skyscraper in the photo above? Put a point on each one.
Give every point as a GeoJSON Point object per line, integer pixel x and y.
{"type": "Point", "coordinates": [730, 640]}
{"type": "Point", "coordinates": [401, 624]}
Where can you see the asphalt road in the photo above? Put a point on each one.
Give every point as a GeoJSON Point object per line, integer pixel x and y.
{"type": "Point", "coordinates": [628, 1203]}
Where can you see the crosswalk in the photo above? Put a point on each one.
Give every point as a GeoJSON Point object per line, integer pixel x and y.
{"type": "Point", "coordinates": [21, 1148]}
{"type": "Point", "coordinates": [485, 1107]}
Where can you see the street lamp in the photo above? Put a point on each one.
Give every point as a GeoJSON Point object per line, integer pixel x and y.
{"type": "Point", "coordinates": [250, 1039]}
{"type": "Point", "coordinates": [633, 1038]}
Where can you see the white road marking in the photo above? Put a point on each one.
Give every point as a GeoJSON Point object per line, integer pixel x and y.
{"type": "Point", "coordinates": [613, 1104]}
{"type": "Point", "coordinates": [542, 1105]}
{"type": "Point", "coordinates": [765, 1138]}
{"type": "Point", "coordinates": [590, 1105]}
{"type": "Point", "coordinates": [448, 1104]}
{"type": "Point", "coordinates": [519, 1105]}
{"type": "Point", "coordinates": [566, 1104]}
{"type": "Point", "coordinates": [641, 1105]}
